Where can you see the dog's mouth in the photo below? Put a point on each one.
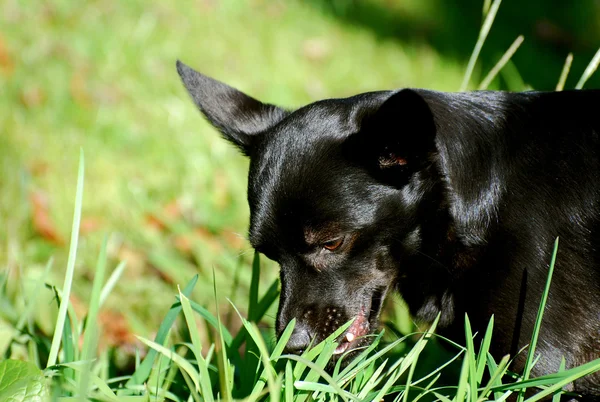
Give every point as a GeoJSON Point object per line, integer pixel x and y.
{"type": "Point", "coordinates": [362, 326]}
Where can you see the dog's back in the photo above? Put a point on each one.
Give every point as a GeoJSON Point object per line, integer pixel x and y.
{"type": "Point", "coordinates": [520, 170]}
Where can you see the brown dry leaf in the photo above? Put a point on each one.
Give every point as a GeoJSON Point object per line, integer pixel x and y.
{"type": "Point", "coordinates": [79, 306]}
{"type": "Point", "coordinates": [161, 274]}
{"type": "Point", "coordinates": [78, 89]}
{"type": "Point", "coordinates": [38, 168]}
{"type": "Point", "coordinates": [234, 239]}
{"type": "Point", "coordinates": [170, 212]}
{"type": "Point", "coordinates": [115, 330]}
{"type": "Point", "coordinates": [316, 49]}
{"type": "Point", "coordinates": [89, 225]}
{"type": "Point", "coordinates": [185, 242]}
{"type": "Point", "coordinates": [33, 97]}
{"type": "Point", "coordinates": [136, 261]}
{"type": "Point", "coordinates": [154, 223]}
{"type": "Point", "coordinates": [41, 220]}
{"type": "Point", "coordinates": [208, 238]}
{"type": "Point", "coordinates": [7, 65]}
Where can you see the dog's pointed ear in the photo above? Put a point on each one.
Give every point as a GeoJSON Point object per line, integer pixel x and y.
{"type": "Point", "coordinates": [239, 117]}
{"type": "Point", "coordinates": [395, 138]}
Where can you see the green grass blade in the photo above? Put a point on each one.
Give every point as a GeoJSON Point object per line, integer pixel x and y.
{"type": "Point", "coordinates": [212, 320]}
{"type": "Point", "coordinates": [502, 62]}
{"type": "Point", "coordinates": [374, 379]}
{"type": "Point", "coordinates": [289, 382]}
{"type": "Point", "coordinates": [565, 72]}
{"type": "Point", "coordinates": [225, 370]}
{"type": "Point", "coordinates": [486, 7]}
{"type": "Point", "coordinates": [90, 334]}
{"type": "Point", "coordinates": [463, 381]}
{"type": "Point", "coordinates": [315, 351]}
{"type": "Point", "coordinates": [553, 381]}
{"type": "Point", "coordinates": [498, 373]}
{"type": "Point", "coordinates": [112, 281]}
{"type": "Point", "coordinates": [441, 397]}
{"type": "Point", "coordinates": [470, 356]}
{"type": "Point", "coordinates": [538, 321]}
{"type": "Point", "coordinates": [33, 297]}
{"type": "Point", "coordinates": [317, 372]}
{"type": "Point", "coordinates": [484, 349]}
{"type": "Point", "coordinates": [204, 377]}
{"type": "Point", "coordinates": [269, 371]}
{"type": "Point", "coordinates": [143, 371]}
{"type": "Point", "coordinates": [397, 369]}
{"type": "Point", "coordinates": [83, 367]}
{"type": "Point", "coordinates": [91, 323]}
{"type": "Point", "coordinates": [267, 300]}
{"type": "Point", "coordinates": [561, 368]}
{"type": "Point", "coordinates": [183, 364]}
{"type": "Point", "coordinates": [66, 290]}
{"type": "Point", "coordinates": [485, 29]}
{"type": "Point", "coordinates": [590, 69]}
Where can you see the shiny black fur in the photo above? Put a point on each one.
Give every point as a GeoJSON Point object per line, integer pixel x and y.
{"type": "Point", "coordinates": [452, 199]}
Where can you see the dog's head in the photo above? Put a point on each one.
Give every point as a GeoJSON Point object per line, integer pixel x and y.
{"type": "Point", "coordinates": [335, 191]}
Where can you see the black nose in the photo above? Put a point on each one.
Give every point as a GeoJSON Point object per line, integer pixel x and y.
{"type": "Point", "coordinates": [300, 339]}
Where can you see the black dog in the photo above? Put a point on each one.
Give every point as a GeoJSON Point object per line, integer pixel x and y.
{"type": "Point", "coordinates": [452, 199]}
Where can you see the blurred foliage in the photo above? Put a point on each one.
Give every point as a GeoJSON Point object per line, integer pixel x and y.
{"type": "Point", "coordinates": [100, 75]}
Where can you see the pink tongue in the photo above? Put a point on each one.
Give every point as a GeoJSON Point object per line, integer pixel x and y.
{"type": "Point", "coordinates": [359, 327]}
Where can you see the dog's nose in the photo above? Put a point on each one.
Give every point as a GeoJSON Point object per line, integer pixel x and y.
{"type": "Point", "coordinates": [299, 340]}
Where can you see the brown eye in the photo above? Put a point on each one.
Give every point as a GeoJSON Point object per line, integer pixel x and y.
{"type": "Point", "coordinates": [334, 244]}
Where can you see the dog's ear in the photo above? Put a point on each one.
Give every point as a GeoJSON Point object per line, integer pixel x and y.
{"type": "Point", "coordinates": [236, 115]}
{"type": "Point", "coordinates": [395, 138]}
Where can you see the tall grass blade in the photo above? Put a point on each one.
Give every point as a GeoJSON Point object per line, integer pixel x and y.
{"type": "Point", "coordinates": [225, 369]}
{"type": "Point", "coordinates": [565, 72]}
{"type": "Point", "coordinates": [183, 364]}
{"type": "Point", "coordinates": [590, 69]}
{"type": "Point", "coordinates": [66, 290]}
{"type": "Point", "coordinates": [33, 297]}
{"type": "Point", "coordinates": [463, 381]}
{"type": "Point", "coordinates": [483, 33]}
{"type": "Point", "coordinates": [112, 281]}
{"type": "Point", "coordinates": [397, 369]}
{"type": "Point", "coordinates": [317, 372]}
{"type": "Point", "coordinates": [538, 321]}
{"type": "Point", "coordinates": [90, 335]}
{"type": "Point", "coordinates": [470, 357]}
{"type": "Point", "coordinates": [502, 62]}
{"type": "Point", "coordinates": [204, 377]}
{"type": "Point", "coordinates": [484, 349]}
{"type": "Point", "coordinates": [143, 371]}
{"type": "Point", "coordinates": [91, 324]}
{"type": "Point", "coordinates": [498, 373]}
{"type": "Point", "coordinates": [289, 382]}
{"type": "Point", "coordinates": [561, 368]}
{"type": "Point", "coordinates": [269, 371]}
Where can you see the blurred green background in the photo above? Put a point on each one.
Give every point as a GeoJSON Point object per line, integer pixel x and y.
{"type": "Point", "coordinates": [100, 75]}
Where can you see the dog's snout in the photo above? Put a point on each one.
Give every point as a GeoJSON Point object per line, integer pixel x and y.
{"type": "Point", "coordinates": [299, 340]}
{"type": "Point", "coordinates": [314, 323]}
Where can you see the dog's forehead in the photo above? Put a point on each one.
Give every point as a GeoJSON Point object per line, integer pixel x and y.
{"type": "Point", "coordinates": [299, 171]}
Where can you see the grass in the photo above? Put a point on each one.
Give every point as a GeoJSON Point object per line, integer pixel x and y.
{"type": "Point", "coordinates": [188, 370]}
{"type": "Point", "coordinates": [171, 193]}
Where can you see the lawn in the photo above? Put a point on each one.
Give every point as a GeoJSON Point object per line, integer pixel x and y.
{"type": "Point", "coordinates": [160, 185]}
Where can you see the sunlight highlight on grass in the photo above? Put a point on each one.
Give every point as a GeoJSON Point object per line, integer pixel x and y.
{"type": "Point", "coordinates": [66, 290]}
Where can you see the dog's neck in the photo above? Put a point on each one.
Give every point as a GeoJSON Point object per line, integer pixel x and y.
{"type": "Point", "coordinates": [471, 157]}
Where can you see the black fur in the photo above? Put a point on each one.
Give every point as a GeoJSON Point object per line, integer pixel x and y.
{"type": "Point", "coordinates": [452, 199]}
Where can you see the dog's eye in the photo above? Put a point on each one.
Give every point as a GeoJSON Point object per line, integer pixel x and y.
{"type": "Point", "coordinates": [334, 244]}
